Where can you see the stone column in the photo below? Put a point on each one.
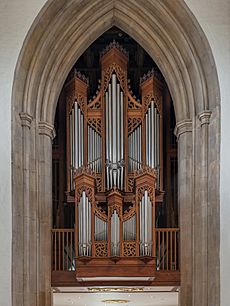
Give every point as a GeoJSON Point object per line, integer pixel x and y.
{"type": "Point", "coordinates": [29, 222]}
{"type": "Point", "coordinates": [200, 293]}
{"type": "Point", "coordinates": [184, 135]}
{"type": "Point", "coordinates": [46, 135]}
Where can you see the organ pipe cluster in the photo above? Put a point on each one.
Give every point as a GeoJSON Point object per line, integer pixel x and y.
{"type": "Point", "coordinates": [114, 101]}
{"type": "Point", "coordinates": [94, 150]}
{"type": "Point", "coordinates": [135, 149]}
{"type": "Point", "coordinates": [152, 121]}
{"type": "Point", "coordinates": [76, 127]}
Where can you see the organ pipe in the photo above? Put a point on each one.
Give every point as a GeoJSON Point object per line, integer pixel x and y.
{"type": "Point", "coordinates": [84, 226]}
{"type": "Point", "coordinates": [115, 234]}
{"type": "Point", "coordinates": [152, 123]}
{"type": "Point", "coordinates": [135, 157]}
{"type": "Point", "coordinates": [101, 229]}
{"type": "Point", "coordinates": [145, 211]}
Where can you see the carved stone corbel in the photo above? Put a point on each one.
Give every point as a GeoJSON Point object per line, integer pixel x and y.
{"type": "Point", "coordinates": [184, 126]}
{"type": "Point", "coordinates": [47, 129]}
{"type": "Point", "coordinates": [26, 119]}
{"type": "Point", "coordinates": [204, 117]}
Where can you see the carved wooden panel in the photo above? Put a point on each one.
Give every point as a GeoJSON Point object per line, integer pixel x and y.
{"type": "Point", "coordinates": [101, 249]}
{"type": "Point", "coordinates": [129, 248]}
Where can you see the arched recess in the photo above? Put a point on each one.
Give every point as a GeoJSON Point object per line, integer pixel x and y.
{"type": "Point", "coordinates": [170, 34]}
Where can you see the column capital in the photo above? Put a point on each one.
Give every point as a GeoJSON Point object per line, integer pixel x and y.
{"type": "Point", "coordinates": [45, 128]}
{"type": "Point", "coordinates": [204, 117]}
{"type": "Point", "coordinates": [26, 119]}
{"type": "Point", "coordinates": [184, 126]}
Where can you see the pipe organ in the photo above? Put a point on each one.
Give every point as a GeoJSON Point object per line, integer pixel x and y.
{"type": "Point", "coordinates": [115, 169]}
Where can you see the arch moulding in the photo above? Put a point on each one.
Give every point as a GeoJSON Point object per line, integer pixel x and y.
{"type": "Point", "coordinates": [168, 31]}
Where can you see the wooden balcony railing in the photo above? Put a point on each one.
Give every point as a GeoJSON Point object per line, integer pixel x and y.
{"type": "Point", "coordinates": [167, 249]}
{"type": "Point", "coordinates": [63, 244]}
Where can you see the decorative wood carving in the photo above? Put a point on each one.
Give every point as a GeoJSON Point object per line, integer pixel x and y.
{"type": "Point", "coordinates": [129, 248]}
{"type": "Point", "coordinates": [101, 249]}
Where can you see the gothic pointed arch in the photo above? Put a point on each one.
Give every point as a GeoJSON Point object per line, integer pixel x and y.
{"type": "Point", "coordinates": [168, 31]}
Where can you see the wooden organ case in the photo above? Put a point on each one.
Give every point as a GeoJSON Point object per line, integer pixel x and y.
{"type": "Point", "coordinates": [115, 170]}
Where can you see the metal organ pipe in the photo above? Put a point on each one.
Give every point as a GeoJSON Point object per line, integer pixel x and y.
{"type": "Point", "coordinates": [152, 121]}
{"type": "Point", "coordinates": [84, 225]}
{"type": "Point", "coordinates": [135, 157]}
{"type": "Point", "coordinates": [94, 150]}
{"type": "Point", "coordinates": [71, 155]}
{"type": "Point", "coordinates": [101, 232]}
{"type": "Point", "coordinates": [145, 211]}
{"type": "Point", "coordinates": [129, 229]}
{"type": "Point", "coordinates": [115, 234]}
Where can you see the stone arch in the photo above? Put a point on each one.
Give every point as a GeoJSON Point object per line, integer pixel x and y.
{"type": "Point", "coordinates": [170, 34]}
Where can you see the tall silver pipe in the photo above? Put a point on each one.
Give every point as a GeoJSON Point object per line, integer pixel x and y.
{"type": "Point", "coordinates": [122, 125]}
{"type": "Point", "coordinates": [73, 136]}
{"type": "Point", "coordinates": [143, 224]}
{"type": "Point", "coordinates": [90, 227]}
{"type": "Point", "coordinates": [152, 134]}
{"type": "Point", "coordinates": [110, 123]}
{"type": "Point", "coordinates": [158, 148]}
{"type": "Point", "coordinates": [97, 145]}
{"type": "Point", "coordinates": [118, 111]}
{"type": "Point", "coordinates": [146, 139]}
{"type": "Point", "coordinates": [114, 117]}
{"type": "Point", "coordinates": [71, 144]}
{"type": "Point", "coordinates": [138, 144]}
{"type": "Point", "coordinates": [140, 147]}
{"type": "Point", "coordinates": [76, 135]}
{"type": "Point", "coordinates": [80, 225]}
{"type": "Point", "coordinates": [95, 157]}
{"type": "Point", "coordinates": [88, 145]}
{"type": "Point", "coordinates": [86, 224]}
{"type": "Point", "coordinates": [110, 135]}
{"type": "Point", "coordinates": [140, 221]}
{"type": "Point", "coordinates": [155, 135]}
{"type": "Point", "coordinates": [146, 217]}
{"type": "Point", "coordinates": [149, 138]}
{"type": "Point", "coordinates": [135, 149]}
{"type": "Point", "coordinates": [82, 140]}
{"type": "Point", "coordinates": [107, 125]}
{"type": "Point", "coordinates": [122, 137]}
{"type": "Point", "coordinates": [79, 136]}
